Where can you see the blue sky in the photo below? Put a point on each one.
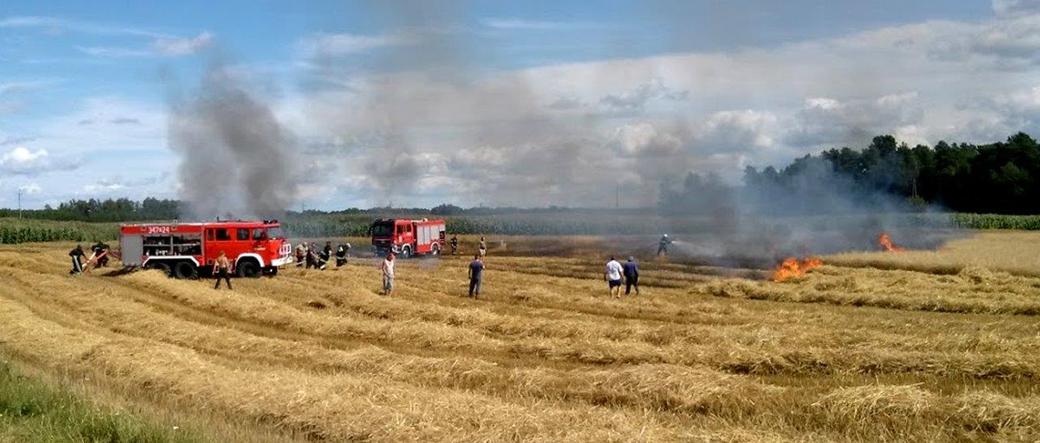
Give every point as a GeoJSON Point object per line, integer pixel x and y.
{"type": "Point", "coordinates": [520, 103]}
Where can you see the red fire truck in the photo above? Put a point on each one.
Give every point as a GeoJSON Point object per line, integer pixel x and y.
{"type": "Point", "coordinates": [408, 237]}
{"type": "Point", "coordinates": [184, 250]}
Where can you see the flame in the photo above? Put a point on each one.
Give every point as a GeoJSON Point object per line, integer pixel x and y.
{"type": "Point", "coordinates": [791, 267]}
{"type": "Point", "coordinates": [886, 243]}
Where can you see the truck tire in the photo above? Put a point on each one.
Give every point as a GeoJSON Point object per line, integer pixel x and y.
{"type": "Point", "coordinates": [406, 251]}
{"type": "Point", "coordinates": [185, 270]}
{"type": "Point", "coordinates": [435, 250]}
{"type": "Point", "coordinates": [161, 267]}
{"type": "Point", "coordinates": [248, 268]}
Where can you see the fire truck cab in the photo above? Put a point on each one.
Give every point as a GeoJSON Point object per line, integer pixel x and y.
{"type": "Point", "coordinates": [184, 250]}
{"type": "Point", "coordinates": [408, 237]}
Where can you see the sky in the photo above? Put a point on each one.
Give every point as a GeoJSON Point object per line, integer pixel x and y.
{"type": "Point", "coordinates": [336, 104]}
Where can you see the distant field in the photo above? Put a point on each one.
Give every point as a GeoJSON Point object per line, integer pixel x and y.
{"type": "Point", "coordinates": [919, 346]}
{"type": "Point", "coordinates": [575, 223]}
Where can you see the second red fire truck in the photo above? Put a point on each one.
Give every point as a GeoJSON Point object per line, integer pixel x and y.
{"type": "Point", "coordinates": [185, 250]}
{"type": "Point", "coordinates": [407, 237]}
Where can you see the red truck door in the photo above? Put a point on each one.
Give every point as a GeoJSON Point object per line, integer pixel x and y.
{"type": "Point", "coordinates": [218, 239]}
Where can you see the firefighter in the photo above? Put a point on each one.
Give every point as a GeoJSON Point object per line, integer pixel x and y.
{"type": "Point", "coordinates": [315, 257]}
{"type": "Point", "coordinates": [631, 271]}
{"type": "Point", "coordinates": [342, 253]}
{"type": "Point", "coordinates": [301, 254]}
{"type": "Point", "coordinates": [482, 247]}
{"type": "Point", "coordinates": [454, 244]}
{"type": "Point", "coordinates": [222, 269]}
{"type": "Point", "coordinates": [326, 252]}
{"type": "Point", "coordinates": [476, 271]}
{"type": "Point", "coordinates": [613, 277]}
{"type": "Point", "coordinates": [387, 268]}
{"type": "Point", "coordinates": [77, 260]}
{"type": "Point", "coordinates": [662, 245]}
{"type": "Point", "coordinates": [100, 254]}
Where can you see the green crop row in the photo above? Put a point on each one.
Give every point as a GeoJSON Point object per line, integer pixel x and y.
{"type": "Point", "coordinates": [997, 221]}
{"type": "Point", "coordinates": [13, 230]}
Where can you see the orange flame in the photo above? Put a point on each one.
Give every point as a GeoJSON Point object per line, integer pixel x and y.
{"type": "Point", "coordinates": [886, 243]}
{"type": "Point", "coordinates": [791, 267]}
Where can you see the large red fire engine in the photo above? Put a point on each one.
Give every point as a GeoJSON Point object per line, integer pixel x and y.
{"type": "Point", "coordinates": [408, 237]}
{"type": "Point", "coordinates": [183, 250]}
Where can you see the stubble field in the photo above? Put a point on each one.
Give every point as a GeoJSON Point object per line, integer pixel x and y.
{"type": "Point", "coordinates": [924, 346]}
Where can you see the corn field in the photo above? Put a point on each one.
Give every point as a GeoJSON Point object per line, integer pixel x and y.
{"type": "Point", "coordinates": [13, 231]}
{"type": "Point", "coordinates": [997, 221]}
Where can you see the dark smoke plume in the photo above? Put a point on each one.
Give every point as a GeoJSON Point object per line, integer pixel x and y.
{"type": "Point", "coordinates": [235, 156]}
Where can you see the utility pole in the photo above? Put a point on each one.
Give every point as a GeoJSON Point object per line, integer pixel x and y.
{"type": "Point", "coordinates": [19, 203]}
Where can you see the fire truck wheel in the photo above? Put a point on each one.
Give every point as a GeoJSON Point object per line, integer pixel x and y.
{"type": "Point", "coordinates": [185, 270]}
{"type": "Point", "coordinates": [161, 267]}
{"type": "Point", "coordinates": [248, 268]}
{"type": "Point", "coordinates": [406, 252]}
{"type": "Point", "coordinates": [435, 250]}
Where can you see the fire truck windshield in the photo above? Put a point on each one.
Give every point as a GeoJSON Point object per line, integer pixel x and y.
{"type": "Point", "coordinates": [382, 229]}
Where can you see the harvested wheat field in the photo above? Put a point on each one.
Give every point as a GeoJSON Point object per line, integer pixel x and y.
{"type": "Point", "coordinates": [924, 346]}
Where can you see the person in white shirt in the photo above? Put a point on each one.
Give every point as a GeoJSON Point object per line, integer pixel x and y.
{"type": "Point", "coordinates": [613, 277]}
{"type": "Point", "coordinates": [388, 274]}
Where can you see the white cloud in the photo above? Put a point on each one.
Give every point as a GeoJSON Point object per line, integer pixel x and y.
{"type": "Point", "coordinates": [1015, 7]}
{"type": "Point", "coordinates": [30, 188]}
{"type": "Point", "coordinates": [113, 52]}
{"type": "Point", "coordinates": [56, 24]}
{"type": "Point", "coordinates": [535, 25]}
{"type": "Point", "coordinates": [24, 161]}
{"type": "Point", "coordinates": [319, 45]}
{"type": "Point", "coordinates": [183, 46]}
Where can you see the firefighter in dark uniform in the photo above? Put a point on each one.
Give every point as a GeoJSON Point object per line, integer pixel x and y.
{"type": "Point", "coordinates": [454, 244]}
{"type": "Point", "coordinates": [100, 254]}
{"type": "Point", "coordinates": [662, 245]}
{"type": "Point", "coordinates": [77, 260]}
{"type": "Point", "coordinates": [342, 252]}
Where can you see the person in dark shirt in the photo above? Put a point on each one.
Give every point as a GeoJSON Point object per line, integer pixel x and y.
{"type": "Point", "coordinates": [77, 260]}
{"type": "Point", "coordinates": [631, 271]}
{"type": "Point", "coordinates": [454, 244]}
{"type": "Point", "coordinates": [662, 245]}
{"type": "Point", "coordinates": [100, 254]}
{"type": "Point", "coordinates": [342, 251]}
{"type": "Point", "coordinates": [476, 273]}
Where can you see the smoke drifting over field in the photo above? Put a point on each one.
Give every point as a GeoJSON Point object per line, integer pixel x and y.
{"type": "Point", "coordinates": [235, 155]}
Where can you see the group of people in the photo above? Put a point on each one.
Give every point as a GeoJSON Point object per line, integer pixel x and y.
{"type": "Point", "coordinates": [475, 268]}
{"type": "Point", "coordinates": [98, 258]}
{"type": "Point", "coordinates": [309, 256]}
{"type": "Point", "coordinates": [617, 273]}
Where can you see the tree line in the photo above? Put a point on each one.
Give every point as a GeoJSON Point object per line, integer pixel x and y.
{"type": "Point", "coordinates": [109, 210]}
{"type": "Point", "coordinates": [1002, 178]}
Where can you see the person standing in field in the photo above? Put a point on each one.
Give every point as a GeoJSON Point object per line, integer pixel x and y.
{"type": "Point", "coordinates": [631, 271]}
{"type": "Point", "coordinates": [613, 277]}
{"type": "Point", "coordinates": [342, 252]}
{"type": "Point", "coordinates": [454, 244]}
{"type": "Point", "coordinates": [77, 260]}
{"type": "Point", "coordinates": [326, 254]}
{"type": "Point", "coordinates": [222, 269]}
{"type": "Point", "coordinates": [482, 247]}
{"type": "Point", "coordinates": [301, 254]}
{"type": "Point", "coordinates": [662, 245]}
{"type": "Point", "coordinates": [388, 274]}
{"type": "Point", "coordinates": [476, 273]}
